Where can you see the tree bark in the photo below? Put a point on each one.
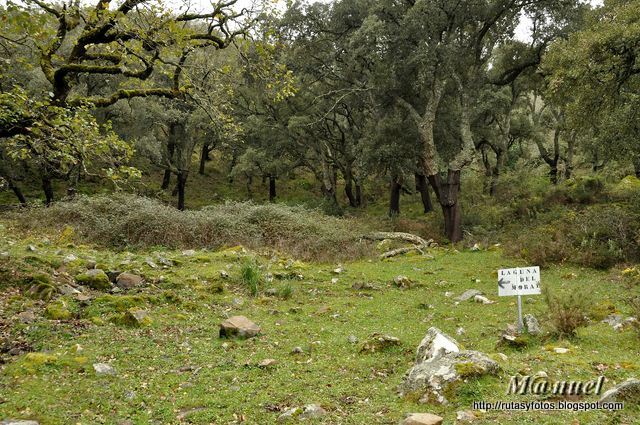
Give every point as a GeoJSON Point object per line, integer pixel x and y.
{"type": "Point", "coordinates": [272, 188]}
{"type": "Point", "coordinates": [48, 190]}
{"type": "Point", "coordinates": [497, 170]}
{"type": "Point", "coordinates": [447, 193]}
{"type": "Point", "coordinates": [636, 166]}
{"type": "Point", "coordinates": [358, 194]}
{"type": "Point", "coordinates": [17, 191]}
{"type": "Point", "coordinates": [203, 159]}
{"type": "Point", "coordinates": [423, 188]}
{"type": "Point", "coordinates": [171, 148]}
{"type": "Point", "coordinates": [394, 201]}
{"type": "Point", "coordinates": [182, 182]}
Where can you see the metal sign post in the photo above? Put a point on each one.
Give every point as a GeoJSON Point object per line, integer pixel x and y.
{"type": "Point", "coordinates": [518, 282]}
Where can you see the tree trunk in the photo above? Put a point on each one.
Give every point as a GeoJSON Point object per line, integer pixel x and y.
{"type": "Point", "coordinates": [171, 148]}
{"type": "Point", "coordinates": [568, 161]}
{"type": "Point", "coordinates": [358, 194]}
{"type": "Point", "coordinates": [553, 172]}
{"type": "Point", "coordinates": [394, 202]}
{"type": "Point", "coordinates": [182, 182]}
{"type": "Point", "coordinates": [636, 166]}
{"type": "Point", "coordinates": [495, 174]}
{"type": "Point", "coordinates": [423, 188]}
{"type": "Point", "coordinates": [48, 190]}
{"type": "Point", "coordinates": [203, 158]}
{"type": "Point", "coordinates": [447, 194]}
{"type": "Point", "coordinates": [272, 188]}
{"type": "Point", "coordinates": [249, 183]}
{"type": "Point", "coordinates": [17, 191]}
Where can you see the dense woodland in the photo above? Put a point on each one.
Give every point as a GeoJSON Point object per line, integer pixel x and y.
{"type": "Point", "coordinates": [368, 99]}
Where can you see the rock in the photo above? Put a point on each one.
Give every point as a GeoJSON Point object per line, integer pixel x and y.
{"type": "Point", "coordinates": [271, 292]}
{"type": "Point", "coordinates": [238, 326]}
{"type": "Point", "coordinates": [19, 422]}
{"type": "Point", "coordinates": [224, 274]}
{"type": "Point", "coordinates": [297, 350]}
{"type": "Point", "coordinates": [104, 369]}
{"type": "Point", "coordinates": [560, 350]}
{"type": "Point", "coordinates": [91, 264]}
{"type": "Point", "coordinates": [465, 416]}
{"type": "Point", "coordinates": [136, 317]}
{"type": "Point", "coordinates": [57, 310]}
{"type": "Point", "coordinates": [312, 411]}
{"type": "Point", "coordinates": [69, 258]}
{"type": "Point", "coordinates": [362, 286]}
{"type": "Point", "coordinates": [128, 280]}
{"type": "Point", "coordinates": [149, 262]}
{"type": "Point", "coordinates": [402, 282]}
{"type": "Point", "coordinates": [502, 357]}
{"type": "Point", "coordinates": [352, 339]}
{"type": "Point", "coordinates": [379, 342]}
{"type": "Point", "coordinates": [267, 363]}
{"type": "Point", "coordinates": [289, 414]}
{"type": "Point", "coordinates": [237, 302]}
{"type": "Point", "coordinates": [165, 261]}
{"type": "Point", "coordinates": [531, 325]}
{"type": "Point", "coordinates": [482, 299]}
{"type": "Point", "coordinates": [422, 419]}
{"type": "Point", "coordinates": [475, 248]}
{"type": "Point", "coordinates": [113, 275]}
{"type": "Point", "coordinates": [468, 294]}
{"type": "Point", "coordinates": [613, 319]}
{"type": "Point", "coordinates": [628, 391]}
{"type": "Point", "coordinates": [189, 252]}
{"type": "Point", "coordinates": [32, 248]}
{"type": "Point", "coordinates": [334, 280]}
{"type": "Point", "coordinates": [460, 331]}
{"type": "Point", "coordinates": [435, 343]}
{"type": "Point", "coordinates": [338, 270]}
{"type": "Point", "coordinates": [26, 317]}
{"type": "Point", "coordinates": [94, 278]}
{"type": "Point", "coordinates": [68, 290]}
{"type": "Point", "coordinates": [4, 255]}
{"type": "Point", "coordinates": [439, 363]}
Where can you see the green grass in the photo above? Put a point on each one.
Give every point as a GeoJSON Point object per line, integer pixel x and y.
{"type": "Point", "coordinates": [177, 362]}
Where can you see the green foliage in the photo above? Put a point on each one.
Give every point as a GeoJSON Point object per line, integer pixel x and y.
{"type": "Point", "coordinates": [251, 276]}
{"type": "Point", "coordinates": [567, 312]}
{"type": "Point", "coordinates": [124, 220]}
{"type": "Point", "coordinates": [96, 279]}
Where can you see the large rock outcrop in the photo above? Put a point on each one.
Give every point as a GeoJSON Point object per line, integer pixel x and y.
{"type": "Point", "coordinates": [440, 363]}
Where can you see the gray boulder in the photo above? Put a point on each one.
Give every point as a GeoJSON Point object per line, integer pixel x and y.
{"type": "Point", "coordinates": [439, 363]}
{"type": "Point", "coordinates": [238, 326]}
{"type": "Point", "coordinates": [628, 391]}
{"type": "Point", "coordinates": [468, 294]}
{"type": "Point", "coordinates": [128, 281]}
{"type": "Point", "coordinates": [422, 419]}
{"type": "Point", "coordinates": [531, 325]}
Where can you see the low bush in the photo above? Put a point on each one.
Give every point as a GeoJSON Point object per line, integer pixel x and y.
{"type": "Point", "coordinates": [567, 312]}
{"type": "Point", "coordinates": [123, 221]}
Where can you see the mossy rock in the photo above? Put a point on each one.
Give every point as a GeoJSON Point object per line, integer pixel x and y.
{"type": "Point", "coordinates": [601, 310]}
{"type": "Point", "coordinates": [42, 290]}
{"type": "Point", "coordinates": [95, 278]}
{"type": "Point", "coordinates": [469, 369]}
{"type": "Point", "coordinates": [57, 310]}
{"type": "Point", "coordinates": [133, 317]}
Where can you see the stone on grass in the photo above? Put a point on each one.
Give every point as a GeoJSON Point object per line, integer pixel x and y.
{"type": "Point", "coordinates": [69, 258]}
{"type": "Point", "coordinates": [238, 326]}
{"type": "Point", "coordinates": [402, 282]}
{"type": "Point", "coordinates": [628, 392]}
{"type": "Point", "coordinates": [188, 252]}
{"type": "Point", "coordinates": [531, 325]}
{"type": "Point", "coordinates": [613, 319]}
{"type": "Point", "coordinates": [68, 290]}
{"type": "Point", "coordinates": [19, 422]}
{"type": "Point", "coordinates": [422, 419]}
{"type": "Point", "coordinates": [297, 350]}
{"type": "Point", "coordinates": [104, 369]}
{"type": "Point", "coordinates": [352, 339]}
{"type": "Point", "coordinates": [27, 317]}
{"type": "Point", "coordinates": [266, 363]}
{"type": "Point", "coordinates": [440, 363]}
{"type": "Point", "coordinates": [435, 343]}
{"type": "Point", "coordinates": [136, 318]}
{"type": "Point", "coordinates": [468, 294]}
{"type": "Point", "coordinates": [312, 411]}
{"type": "Point", "coordinates": [289, 414]}
{"type": "Point", "coordinates": [128, 280]}
{"type": "Point", "coordinates": [379, 342]}
{"type": "Point", "coordinates": [560, 350]}
{"type": "Point", "coordinates": [482, 299]}
{"type": "Point", "coordinates": [94, 278]}
{"type": "Point", "coordinates": [465, 417]}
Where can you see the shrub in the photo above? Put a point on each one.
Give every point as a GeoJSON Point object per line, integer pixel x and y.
{"type": "Point", "coordinates": [251, 276]}
{"type": "Point", "coordinates": [567, 312]}
{"type": "Point", "coordinates": [122, 221]}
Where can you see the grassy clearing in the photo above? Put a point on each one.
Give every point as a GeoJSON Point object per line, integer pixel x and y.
{"type": "Point", "coordinates": [175, 369]}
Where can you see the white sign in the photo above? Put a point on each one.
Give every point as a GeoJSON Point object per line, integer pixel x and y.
{"type": "Point", "coordinates": [519, 281]}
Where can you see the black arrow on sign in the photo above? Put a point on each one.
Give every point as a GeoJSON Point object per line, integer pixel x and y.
{"type": "Point", "coordinates": [502, 282]}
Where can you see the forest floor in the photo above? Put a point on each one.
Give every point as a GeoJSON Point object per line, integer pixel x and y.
{"type": "Point", "coordinates": [175, 368]}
